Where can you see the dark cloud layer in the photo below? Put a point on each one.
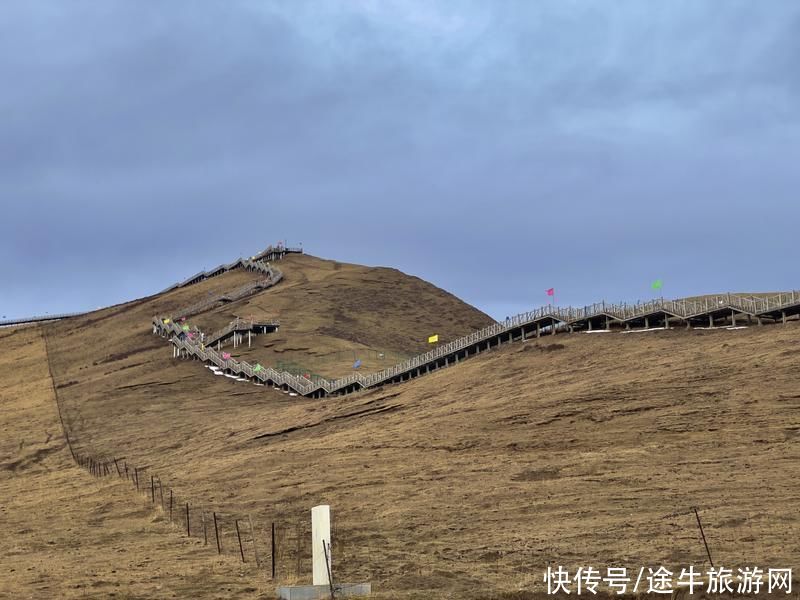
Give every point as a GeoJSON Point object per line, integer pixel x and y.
{"type": "Point", "coordinates": [496, 149]}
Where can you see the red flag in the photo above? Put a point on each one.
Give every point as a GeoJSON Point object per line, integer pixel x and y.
{"type": "Point", "coordinates": [551, 292]}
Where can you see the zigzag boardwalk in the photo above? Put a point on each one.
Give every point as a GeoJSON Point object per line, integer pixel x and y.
{"type": "Point", "coordinates": [548, 320]}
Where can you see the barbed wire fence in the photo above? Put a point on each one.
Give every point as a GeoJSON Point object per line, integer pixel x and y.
{"type": "Point", "coordinates": [277, 546]}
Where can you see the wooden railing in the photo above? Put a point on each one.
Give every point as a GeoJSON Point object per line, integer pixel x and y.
{"type": "Point", "coordinates": [550, 316]}
{"type": "Point", "coordinates": [37, 318]}
{"type": "Point", "coordinates": [269, 254]}
{"type": "Point", "coordinates": [238, 325]}
{"type": "Point", "coordinates": [273, 276]}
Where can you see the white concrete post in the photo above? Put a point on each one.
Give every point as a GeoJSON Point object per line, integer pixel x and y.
{"type": "Point", "coordinates": [320, 533]}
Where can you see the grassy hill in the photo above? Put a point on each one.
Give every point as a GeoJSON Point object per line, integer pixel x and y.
{"type": "Point", "coordinates": [67, 535]}
{"type": "Point", "coordinates": [577, 449]}
{"type": "Point", "coordinates": [332, 313]}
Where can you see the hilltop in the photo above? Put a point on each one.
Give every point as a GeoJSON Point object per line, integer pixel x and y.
{"type": "Point", "coordinates": [331, 313]}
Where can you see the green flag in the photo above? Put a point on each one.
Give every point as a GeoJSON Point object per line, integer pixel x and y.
{"type": "Point", "coordinates": [657, 284]}
{"type": "Point", "coordinates": [257, 368]}
{"type": "Point", "coordinates": [185, 328]}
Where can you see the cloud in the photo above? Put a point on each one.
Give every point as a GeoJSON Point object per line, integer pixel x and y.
{"type": "Point", "coordinates": [581, 144]}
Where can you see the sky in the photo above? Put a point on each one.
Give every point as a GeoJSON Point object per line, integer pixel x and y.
{"type": "Point", "coordinates": [495, 149]}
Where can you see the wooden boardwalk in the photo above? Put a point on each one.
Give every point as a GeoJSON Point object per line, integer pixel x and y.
{"type": "Point", "coordinates": [39, 318]}
{"type": "Point", "coordinates": [271, 253]}
{"type": "Point", "coordinates": [711, 311]}
{"type": "Point", "coordinates": [256, 263]}
{"type": "Point", "coordinates": [236, 330]}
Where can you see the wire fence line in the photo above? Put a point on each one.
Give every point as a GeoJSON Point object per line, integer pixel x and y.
{"type": "Point", "coordinates": [223, 531]}
{"type": "Point", "coordinates": [276, 545]}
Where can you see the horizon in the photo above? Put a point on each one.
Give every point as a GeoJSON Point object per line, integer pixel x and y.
{"type": "Point", "coordinates": [554, 301]}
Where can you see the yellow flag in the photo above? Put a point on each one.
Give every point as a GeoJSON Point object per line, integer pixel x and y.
{"type": "Point", "coordinates": [433, 339]}
{"type": "Point", "coordinates": [166, 321]}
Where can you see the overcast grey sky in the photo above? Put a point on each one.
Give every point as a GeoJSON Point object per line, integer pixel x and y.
{"type": "Point", "coordinates": [495, 149]}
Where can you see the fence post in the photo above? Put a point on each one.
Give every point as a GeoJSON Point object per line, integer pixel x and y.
{"type": "Point", "coordinates": [239, 536]}
{"type": "Point", "coordinates": [253, 536]}
{"type": "Point", "coordinates": [170, 505]}
{"type": "Point", "coordinates": [203, 520]}
{"type": "Point", "coordinates": [273, 550]}
{"type": "Point", "coordinates": [188, 531]}
{"type": "Point", "coordinates": [69, 445]}
{"type": "Point", "coordinates": [216, 534]}
{"type": "Point", "coordinates": [702, 533]}
{"type": "Point", "coordinates": [153, 488]}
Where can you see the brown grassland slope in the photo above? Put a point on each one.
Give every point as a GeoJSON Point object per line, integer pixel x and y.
{"type": "Point", "coordinates": [577, 449]}
{"type": "Point", "coordinates": [68, 535]}
{"type": "Point", "coordinates": [332, 313]}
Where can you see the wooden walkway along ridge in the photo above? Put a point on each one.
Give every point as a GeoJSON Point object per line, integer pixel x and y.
{"type": "Point", "coordinates": [256, 263]}
{"type": "Point", "coordinates": [39, 318]}
{"type": "Point", "coordinates": [548, 320]}
{"type": "Point", "coordinates": [271, 253]}
{"type": "Point", "coordinates": [272, 276]}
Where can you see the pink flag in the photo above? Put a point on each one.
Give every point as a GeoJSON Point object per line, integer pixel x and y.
{"type": "Point", "coordinates": [551, 292]}
{"type": "Point", "coordinates": [225, 355]}
{"type": "Point", "coordinates": [191, 335]}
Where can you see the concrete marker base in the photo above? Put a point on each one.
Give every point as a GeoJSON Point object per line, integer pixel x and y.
{"type": "Point", "coordinates": [323, 592]}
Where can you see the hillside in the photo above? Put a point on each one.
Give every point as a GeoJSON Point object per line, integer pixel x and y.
{"type": "Point", "coordinates": [67, 535]}
{"type": "Point", "coordinates": [577, 449]}
{"type": "Point", "coordinates": [332, 313]}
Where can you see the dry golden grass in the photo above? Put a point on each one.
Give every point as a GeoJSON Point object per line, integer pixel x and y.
{"type": "Point", "coordinates": [66, 534]}
{"type": "Point", "coordinates": [332, 313]}
{"type": "Point", "coordinates": [578, 449]}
